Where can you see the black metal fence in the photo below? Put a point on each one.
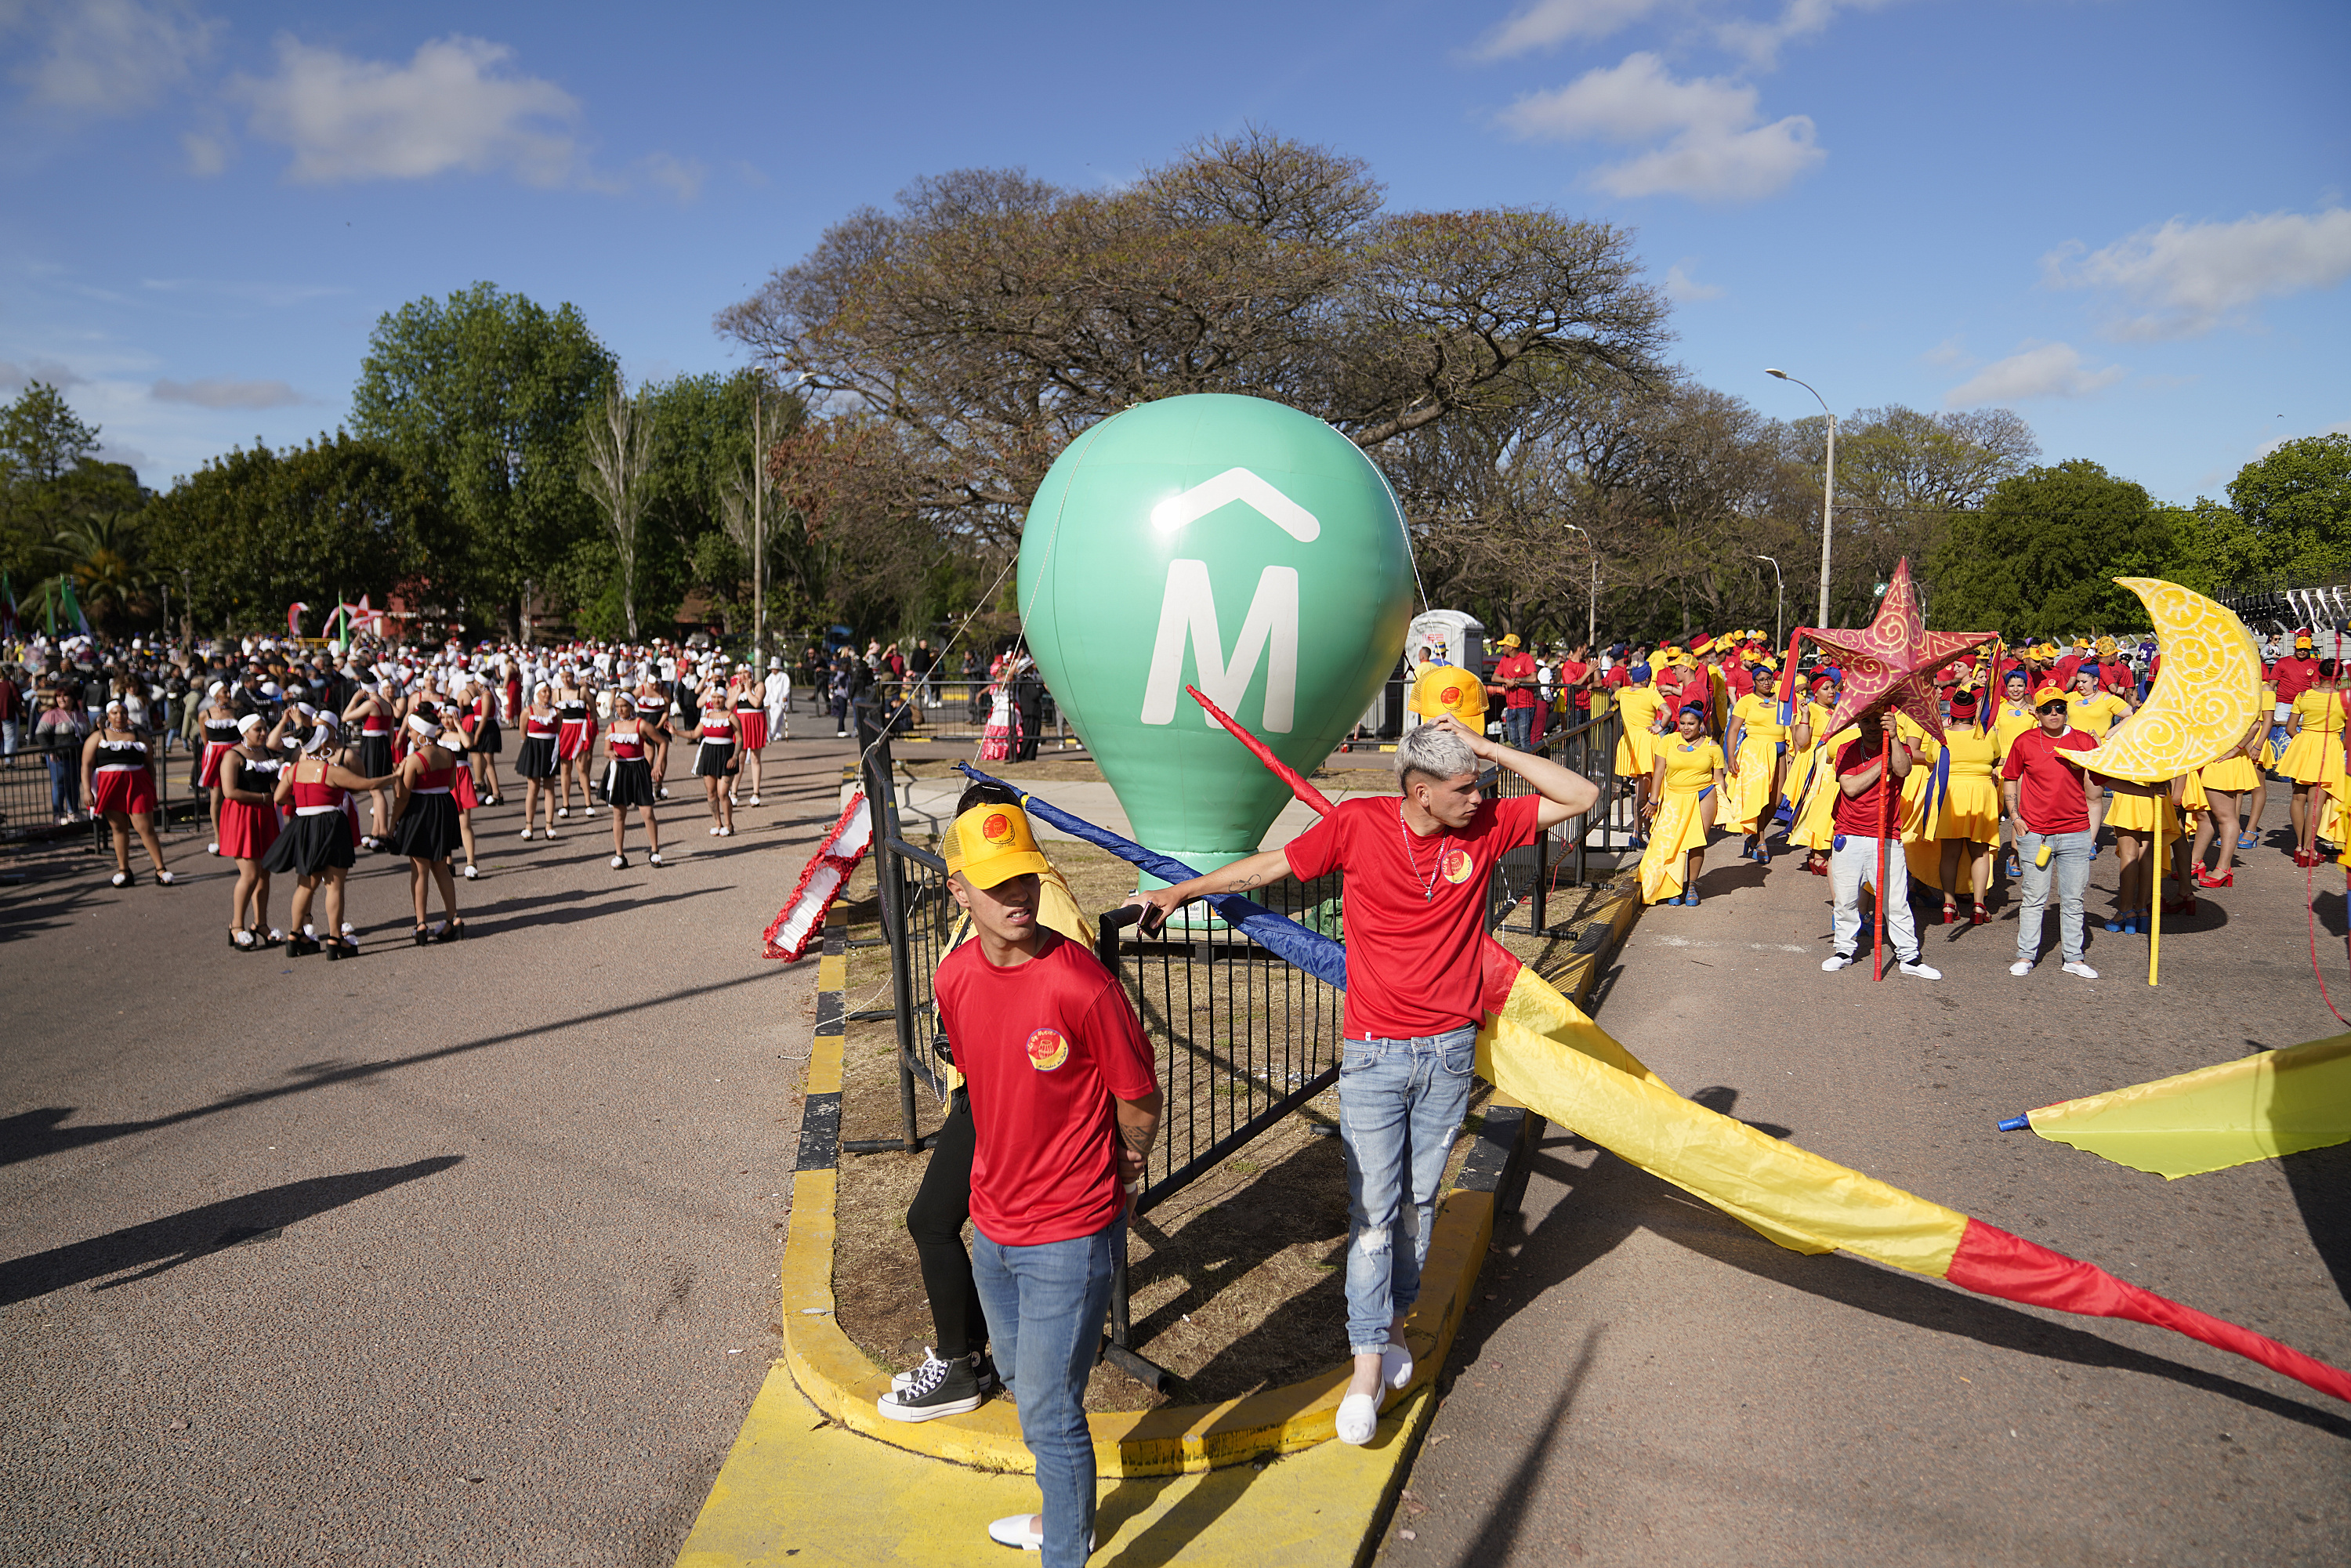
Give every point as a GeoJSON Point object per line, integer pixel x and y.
{"type": "Point", "coordinates": [39, 785]}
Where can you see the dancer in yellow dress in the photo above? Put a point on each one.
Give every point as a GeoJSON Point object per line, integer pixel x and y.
{"type": "Point", "coordinates": [1815, 794]}
{"type": "Point", "coordinates": [1758, 742]}
{"type": "Point", "coordinates": [2227, 783]}
{"type": "Point", "coordinates": [1919, 804]}
{"type": "Point", "coordinates": [1682, 798]}
{"type": "Point", "coordinates": [1637, 707]}
{"type": "Point", "coordinates": [2314, 758]}
{"type": "Point", "coordinates": [2132, 813]}
{"type": "Point", "coordinates": [1968, 823]}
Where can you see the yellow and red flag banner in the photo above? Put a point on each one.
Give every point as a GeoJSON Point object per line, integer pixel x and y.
{"type": "Point", "coordinates": [2256, 1108]}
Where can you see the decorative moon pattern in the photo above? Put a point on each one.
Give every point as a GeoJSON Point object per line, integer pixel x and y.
{"type": "Point", "coordinates": [2204, 698]}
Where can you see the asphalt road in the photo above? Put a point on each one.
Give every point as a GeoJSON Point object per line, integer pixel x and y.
{"type": "Point", "coordinates": [1646, 1382]}
{"type": "Point", "coordinates": [460, 1254]}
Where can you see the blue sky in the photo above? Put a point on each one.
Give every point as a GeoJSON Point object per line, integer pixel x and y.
{"type": "Point", "coordinates": [2125, 219]}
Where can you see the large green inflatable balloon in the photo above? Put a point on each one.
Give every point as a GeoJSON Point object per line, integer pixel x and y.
{"type": "Point", "coordinates": [1228, 543]}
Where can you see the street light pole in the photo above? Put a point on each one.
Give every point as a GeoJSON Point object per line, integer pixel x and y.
{"type": "Point", "coordinates": [1778, 602]}
{"type": "Point", "coordinates": [1828, 492]}
{"type": "Point", "coordinates": [1592, 609]}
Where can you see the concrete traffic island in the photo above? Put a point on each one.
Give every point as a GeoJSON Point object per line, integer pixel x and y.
{"type": "Point", "coordinates": [818, 1476]}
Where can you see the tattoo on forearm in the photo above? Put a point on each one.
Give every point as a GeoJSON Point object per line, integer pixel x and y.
{"type": "Point", "coordinates": [1234, 885]}
{"type": "Point", "coordinates": [1137, 1139]}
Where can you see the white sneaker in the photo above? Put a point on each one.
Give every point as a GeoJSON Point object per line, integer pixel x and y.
{"type": "Point", "coordinates": [2021, 966]}
{"type": "Point", "coordinates": [2081, 971]}
{"type": "Point", "coordinates": [1835, 961]}
{"type": "Point", "coordinates": [1358, 1418]}
{"type": "Point", "coordinates": [1023, 1530]}
{"type": "Point", "coordinates": [1922, 971]}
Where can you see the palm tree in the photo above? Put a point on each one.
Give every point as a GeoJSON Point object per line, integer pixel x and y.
{"type": "Point", "coordinates": [100, 555]}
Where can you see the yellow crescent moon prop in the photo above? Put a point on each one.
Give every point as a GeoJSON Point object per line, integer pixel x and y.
{"type": "Point", "coordinates": [2207, 696]}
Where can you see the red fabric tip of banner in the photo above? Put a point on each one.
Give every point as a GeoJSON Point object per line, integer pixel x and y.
{"type": "Point", "coordinates": [1298, 786]}
{"type": "Point", "coordinates": [1992, 1262]}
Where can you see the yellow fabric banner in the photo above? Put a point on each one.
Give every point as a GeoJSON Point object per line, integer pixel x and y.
{"type": "Point", "coordinates": [2253, 1109]}
{"type": "Point", "coordinates": [1574, 1074]}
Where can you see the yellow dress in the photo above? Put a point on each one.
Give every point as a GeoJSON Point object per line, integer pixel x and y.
{"type": "Point", "coordinates": [2314, 755]}
{"type": "Point", "coordinates": [1679, 826]}
{"type": "Point", "coordinates": [1921, 806]}
{"type": "Point", "coordinates": [1971, 805]}
{"type": "Point", "coordinates": [2096, 714]}
{"type": "Point", "coordinates": [2132, 813]}
{"type": "Point", "coordinates": [2232, 774]}
{"type": "Point", "coordinates": [2011, 720]}
{"type": "Point", "coordinates": [1761, 740]}
{"type": "Point", "coordinates": [1637, 756]}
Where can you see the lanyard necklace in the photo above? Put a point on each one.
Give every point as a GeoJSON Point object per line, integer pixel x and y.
{"type": "Point", "coordinates": [1412, 858]}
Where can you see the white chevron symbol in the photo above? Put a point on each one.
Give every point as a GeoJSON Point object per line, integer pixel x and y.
{"type": "Point", "coordinates": [1237, 485]}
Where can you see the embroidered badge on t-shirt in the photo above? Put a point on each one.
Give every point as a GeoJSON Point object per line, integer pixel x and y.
{"type": "Point", "coordinates": [1047, 1049]}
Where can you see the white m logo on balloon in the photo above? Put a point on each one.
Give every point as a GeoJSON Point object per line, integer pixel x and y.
{"type": "Point", "coordinates": [1187, 611]}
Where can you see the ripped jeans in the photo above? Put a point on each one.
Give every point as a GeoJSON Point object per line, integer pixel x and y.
{"type": "Point", "coordinates": [1400, 1105]}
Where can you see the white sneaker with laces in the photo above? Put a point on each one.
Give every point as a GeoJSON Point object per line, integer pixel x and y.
{"type": "Point", "coordinates": [2080, 970]}
{"type": "Point", "coordinates": [2021, 966]}
{"type": "Point", "coordinates": [1835, 961]}
{"type": "Point", "coordinates": [1918, 971]}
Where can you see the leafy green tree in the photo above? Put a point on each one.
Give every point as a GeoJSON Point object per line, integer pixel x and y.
{"type": "Point", "coordinates": [482, 398]}
{"type": "Point", "coordinates": [40, 436]}
{"type": "Point", "coordinates": [2296, 501]}
{"type": "Point", "coordinates": [255, 530]}
{"type": "Point", "coordinates": [51, 477]}
{"type": "Point", "coordinates": [2041, 557]}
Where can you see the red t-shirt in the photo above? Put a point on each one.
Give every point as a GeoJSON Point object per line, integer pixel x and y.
{"type": "Point", "coordinates": [1415, 908]}
{"type": "Point", "coordinates": [2049, 788]}
{"type": "Point", "coordinates": [1738, 680]}
{"type": "Point", "coordinates": [1520, 666]}
{"type": "Point", "coordinates": [1569, 672]}
{"type": "Point", "coordinates": [1619, 674]}
{"type": "Point", "coordinates": [1857, 814]}
{"type": "Point", "coordinates": [2294, 677]}
{"type": "Point", "coordinates": [1044, 1046]}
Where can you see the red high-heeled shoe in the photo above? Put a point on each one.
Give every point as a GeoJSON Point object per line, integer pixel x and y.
{"type": "Point", "coordinates": [2182, 907]}
{"type": "Point", "coordinates": [2206, 879]}
{"type": "Point", "coordinates": [1981, 915]}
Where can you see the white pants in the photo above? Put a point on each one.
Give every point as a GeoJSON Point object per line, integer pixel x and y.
{"type": "Point", "coordinates": [1854, 860]}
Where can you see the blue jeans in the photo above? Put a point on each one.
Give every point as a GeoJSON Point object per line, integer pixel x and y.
{"type": "Point", "coordinates": [1400, 1104]}
{"type": "Point", "coordinates": [1519, 726]}
{"type": "Point", "coordinates": [2069, 864]}
{"type": "Point", "coordinates": [64, 787]}
{"type": "Point", "coordinates": [1045, 1307]}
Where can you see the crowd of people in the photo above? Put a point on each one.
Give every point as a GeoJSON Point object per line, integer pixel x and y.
{"type": "Point", "coordinates": [1716, 740]}
{"type": "Point", "coordinates": [306, 757]}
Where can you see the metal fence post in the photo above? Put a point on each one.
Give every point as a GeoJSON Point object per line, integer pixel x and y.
{"type": "Point", "coordinates": [880, 799]}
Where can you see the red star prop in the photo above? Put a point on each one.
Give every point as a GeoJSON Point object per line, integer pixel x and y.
{"type": "Point", "coordinates": [1891, 662]}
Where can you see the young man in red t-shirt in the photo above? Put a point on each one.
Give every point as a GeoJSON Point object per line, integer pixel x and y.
{"type": "Point", "coordinates": [1515, 677]}
{"type": "Point", "coordinates": [1417, 871]}
{"type": "Point", "coordinates": [2048, 799]}
{"type": "Point", "coordinates": [1864, 812]}
{"type": "Point", "coordinates": [1064, 1104]}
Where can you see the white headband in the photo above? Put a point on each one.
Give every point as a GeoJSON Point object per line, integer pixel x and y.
{"type": "Point", "coordinates": [321, 737]}
{"type": "Point", "coordinates": [423, 725]}
{"type": "Point", "coordinates": [250, 721]}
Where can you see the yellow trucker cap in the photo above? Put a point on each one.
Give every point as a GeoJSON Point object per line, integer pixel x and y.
{"type": "Point", "coordinates": [992, 843]}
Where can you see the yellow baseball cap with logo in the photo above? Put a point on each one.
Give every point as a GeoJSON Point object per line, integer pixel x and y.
{"type": "Point", "coordinates": [993, 843]}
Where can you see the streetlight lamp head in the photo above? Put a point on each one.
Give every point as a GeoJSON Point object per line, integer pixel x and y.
{"type": "Point", "coordinates": [1769, 371]}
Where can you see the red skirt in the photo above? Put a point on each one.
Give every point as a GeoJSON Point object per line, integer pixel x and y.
{"type": "Point", "coordinates": [754, 721]}
{"type": "Point", "coordinates": [460, 787]}
{"type": "Point", "coordinates": [208, 771]}
{"type": "Point", "coordinates": [129, 790]}
{"type": "Point", "coordinates": [246, 832]}
{"type": "Point", "coordinates": [575, 737]}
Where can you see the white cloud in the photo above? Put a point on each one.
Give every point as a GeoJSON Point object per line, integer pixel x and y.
{"type": "Point", "coordinates": [207, 155]}
{"type": "Point", "coordinates": [1760, 41]}
{"type": "Point", "coordinates": [213, 392]}
{"type": "Point", "coordinates": [108, 56]}
{"type": "Point", "coordinates": [680, 177]}
{"type": "Point", "coordinates": [2187, 279]}
{"type": "Point", "coordinates": [15, 377]}
{"type": "Point", "coordinates": [2048, 370]}
{"type": "Point", "coordinates": [1681, 288]}
{"type": "Point", "coordinates": [451, 107]}
{"type": "Point", "coordinates": [2340, 427]}
{"type": "Point", "coordinates": [1547, 23]}
{"type": "Point", "coordinates": [1950, 352]}
{"type": "Point", "coordinates": [1715, 151]}
{"type": "Point", "coordinates": [248, 292]}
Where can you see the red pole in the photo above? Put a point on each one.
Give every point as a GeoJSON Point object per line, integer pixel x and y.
{"type": "Point", "coordinates": [1885, 805]}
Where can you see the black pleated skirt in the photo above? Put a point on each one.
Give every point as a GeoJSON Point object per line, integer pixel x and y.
{"type": "Point", "coordinates": [629, 781]}
{"type": "Point", "coordinates": [427, 828]}
{"type": "Point", "coordinates": [311, 844]}
{"type": "Point", "coordinates": [537, 758]}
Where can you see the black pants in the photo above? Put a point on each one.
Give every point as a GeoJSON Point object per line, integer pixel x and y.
{"type": "Point", "coordinates": [1032, 719]}
{"type": "Point", "coordinates": [936, 1223]}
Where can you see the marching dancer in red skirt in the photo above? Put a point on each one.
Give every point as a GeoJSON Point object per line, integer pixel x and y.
{"type": "Point", "coordinates": [219, 720]}
{"type": "Point", "coordinates": [714, 759]}
{"type": "Point", "coordinates": [118, 779]}
{"type": "Point", "coordinates": [574, 743]}
{"type": "Point", "coordinates": [427, 828]}
{"type": "Point", "coordinates": [629, 785]}
{"type": "Point", "coordinates": [747, 698]}
{"type": "Point", "coordinates": [537, 762]}
{"type": "Point", "coordinates": [248, 783]}
{"type": "Point", "coordinates": [371, 708]}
